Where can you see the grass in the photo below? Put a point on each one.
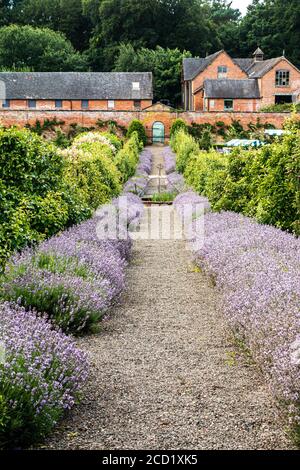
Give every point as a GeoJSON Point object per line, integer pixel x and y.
{"type": "Point", "coordinates": [163, 197]}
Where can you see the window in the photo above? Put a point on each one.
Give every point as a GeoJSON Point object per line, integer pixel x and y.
{"type": "Point", "coordinates": [111, 104]}
{"type": "Point", "coordinates": [135, 86]}
{"type": "Point", "coordinates": [58, 104]}
{"type": "Point", "coordinates": [212, 104]}
{"type": "Point", "coordinates": [137, 104]}
{"type": "Point", "coordinates": [283, 99]}
{"type": "Point", "coordinates": [228, 105]}
{"type": "Point", "coordinates": [282, 78]}
{"type": "Point", "coordinates": [32, 103]}
{"type": "Point", "coordinates": [222, 71]}
{"type": "Point", "coordinates": [85, 104]}
{"type": "Point", "coordinates": [6, 104]}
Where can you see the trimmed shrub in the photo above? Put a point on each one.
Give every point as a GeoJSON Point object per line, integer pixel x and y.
{"type": "Point", "coordinates": [185, 146]}
{"type": "Point", "coordinates": [178, 125]}
{"type": "Point", "coordinates": [201, 167]}
{"type": "Point", "coordinates": [44, 189]}
{"type": "Point", "coordinates": [261, 183]}
{"type": "Point", "coordinates": [138, 127]}
{"type": "Point", "coordinates": [27, 163]}
{"type": "Point", "coordinates": [127, 159]}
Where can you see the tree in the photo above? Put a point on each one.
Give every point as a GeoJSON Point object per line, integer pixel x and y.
{"type": "Point", "coordinates": [66, 16]}
{"type": "Point", "coordinates": [274, 25]}
{"type": "Point", "coordinates": [227, 21]}
{"type": "Point", "coordinates": [165, 64]}
{"type": "Point", "coordinates": [182, 24]}
{"type": "Point", "coordinates": [40, 49]}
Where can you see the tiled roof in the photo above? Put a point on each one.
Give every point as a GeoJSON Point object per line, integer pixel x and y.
{"type": "Point", "coordinates": [244, 64]}
{"type": "Point", "coordinates": [259, 69]}
{"type": "Point", "coordinates": [192, 67]}
{"type": "Point", "coordinates": [231, 89]}
{"type": "Point", "coordinates": [77, 85]}
{"type": "Point", "coordinates": [254, 69]}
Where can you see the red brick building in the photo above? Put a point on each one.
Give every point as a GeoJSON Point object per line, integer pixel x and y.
{"type": "Point", "coordinates": [220, 83]}
{"type": "Point", "coordinates": [76, 91]}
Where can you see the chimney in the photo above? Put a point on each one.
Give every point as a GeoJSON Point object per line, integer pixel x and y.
{"type": "Point", "coordinates": [258, 55]}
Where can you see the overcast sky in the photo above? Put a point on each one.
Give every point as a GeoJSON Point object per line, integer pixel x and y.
{"type": "Point", "coordinates": [241, 4]}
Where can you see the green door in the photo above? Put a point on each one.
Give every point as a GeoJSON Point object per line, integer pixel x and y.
{"type": "Point", "coordinates": [158, 133]}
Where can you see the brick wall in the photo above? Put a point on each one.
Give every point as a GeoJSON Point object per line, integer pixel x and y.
{"type": "Point", "coordinates": [239, 105]}
{"type": "Point", "coordinates": [120, 105]}
{"type": "Point", "coordinates": [19, 118]}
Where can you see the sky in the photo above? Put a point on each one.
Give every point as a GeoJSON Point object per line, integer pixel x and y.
{"type": "Point", "coordinates": [241, 4]}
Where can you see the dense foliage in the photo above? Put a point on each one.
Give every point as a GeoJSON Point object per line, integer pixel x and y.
{"type": "Point", "coordinates": [44, 189]}
{"type": "Point", "coordinates": [132, 35]}
{"type": "Point", "coordinates": [256, 269]}
{"type": "Point", "coordinates": [260, 183]}
{"type": "Point", "coordinates": [38, 49]}
{"type": "Point", "coordinates": [177, 125]}
{"type": "Point", "coordinates": [165, 64]}
{"type": "Point", "coordinates": [138, 127]}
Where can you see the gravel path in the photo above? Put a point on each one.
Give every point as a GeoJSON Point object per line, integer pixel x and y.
{"type": "Point", "coordinates": [166, 373]}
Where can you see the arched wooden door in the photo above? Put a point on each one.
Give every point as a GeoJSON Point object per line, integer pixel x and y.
{"type": "Point", "coordinates": [158, 133]}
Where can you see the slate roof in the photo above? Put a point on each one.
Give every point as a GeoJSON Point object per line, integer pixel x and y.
{"type": "Point", "coordinates": [191, 67]}
{"type": "Point", "coordinates": [231, 89]}
{"type": "Point", "coordinates": [259, 69]}
{"type": "Point", "coordinates": [77, 85]}
{"type": "Point", "coordinates": [244, 64]}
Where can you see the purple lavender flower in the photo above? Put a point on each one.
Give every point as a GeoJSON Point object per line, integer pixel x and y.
{"type": "Point", "coordinates": [169, 160]}
{"type": "Point", "coordinates": [257, 270]}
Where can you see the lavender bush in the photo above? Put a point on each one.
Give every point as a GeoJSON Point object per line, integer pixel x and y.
{"type": "Point", "coordinates": [145, 163]}
{"type": "Point", "coordinates": [41, 375]}
{"type": "Point", "coordinates": [175, 183]}
{"type": "Point", "coordinates": [138, 184]}
{"type": "Point", "coordinates": [76, 277]}
{"type": "Point", "coordinates": [169, 160]}
{"type": "Point", "coordinates": [257, 270]}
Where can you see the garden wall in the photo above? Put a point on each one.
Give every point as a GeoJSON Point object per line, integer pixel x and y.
{"type": "Point", "coordinates": [20, 117]}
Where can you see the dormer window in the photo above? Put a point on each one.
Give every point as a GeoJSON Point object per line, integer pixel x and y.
{"type": "Point", "coordinates": [222, 72]}
{"type": "Point", "coordinates": [135, 86]}
{"type": "Point", "coordinates": [282, 78]}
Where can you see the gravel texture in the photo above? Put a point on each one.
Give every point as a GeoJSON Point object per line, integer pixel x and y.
{"type": "Point", "coordinates": [166, 373]}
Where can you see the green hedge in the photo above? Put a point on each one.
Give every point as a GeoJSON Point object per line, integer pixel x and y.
{"type": "Point", "coordinates": [127, 159]}
{"type": "Point", "coordinates": [260, 183]}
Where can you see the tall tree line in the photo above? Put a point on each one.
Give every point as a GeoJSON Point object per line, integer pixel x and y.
{"type": "Point", "coordinates": [105, 35]}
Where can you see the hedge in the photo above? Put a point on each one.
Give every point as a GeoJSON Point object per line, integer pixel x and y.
{"type": "Point", "coordinates": [260, 183]}
{"type": "Point", "coordinates": [44, 189]}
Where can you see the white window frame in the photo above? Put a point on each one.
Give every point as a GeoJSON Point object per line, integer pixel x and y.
{"type": "Point", "coordinates": [222, 72]}
{"type": "Point", "coordinates": [135, 86]}
{"type": "Point", "coordinates": [282, 78]}
{"type": "Point", "coordinates": [110, 104]}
